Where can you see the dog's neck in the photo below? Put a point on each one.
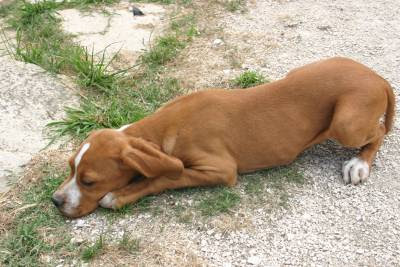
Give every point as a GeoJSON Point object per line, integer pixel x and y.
{"type": "Point", "coordinates": [147, 130]}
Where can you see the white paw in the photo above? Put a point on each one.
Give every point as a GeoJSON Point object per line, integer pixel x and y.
{"type": "Point", "coordinates": [108, 201]}
{"type": "Point", "coordinates": [355, 171]}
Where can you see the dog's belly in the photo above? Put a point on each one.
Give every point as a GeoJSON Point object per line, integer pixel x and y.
{"type": "Point", "coordinates": [265, 157]}
{"type": "Point", "coordinates": [273, 143]}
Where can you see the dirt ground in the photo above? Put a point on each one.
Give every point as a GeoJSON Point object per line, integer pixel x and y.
{"type": "Point", "coordinates": [323, 222]}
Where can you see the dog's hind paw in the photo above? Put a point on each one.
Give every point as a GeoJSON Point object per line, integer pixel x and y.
{"type": "Point", "coordinates": [355, 171]}
{"type": "Point", "coordinates": [108, 201]}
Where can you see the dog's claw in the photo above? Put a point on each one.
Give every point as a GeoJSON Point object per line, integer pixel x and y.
{"type": "Point", "coordinates": [355, 171]}
{"type": "Point", "coordinates": [108, 201]}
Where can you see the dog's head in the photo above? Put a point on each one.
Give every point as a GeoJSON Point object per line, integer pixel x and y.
{"type": "Point", "coordinates": [106, 161]}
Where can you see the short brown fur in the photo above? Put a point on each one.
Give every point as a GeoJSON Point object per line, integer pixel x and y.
{"type": "Point", "coordinates": [207, 137]}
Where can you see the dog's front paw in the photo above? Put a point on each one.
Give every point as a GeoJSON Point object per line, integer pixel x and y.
{"type": "Point", "coordinates": [108, 201]}
{"type": "Point", "coordinates": [355, 171]}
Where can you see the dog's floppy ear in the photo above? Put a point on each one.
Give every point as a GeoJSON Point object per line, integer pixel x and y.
{"type": "Point", "coordinates": [148, 159]}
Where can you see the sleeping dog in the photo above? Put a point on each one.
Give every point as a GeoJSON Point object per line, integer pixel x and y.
{"type": "Point", "coordinates": [206, 138]}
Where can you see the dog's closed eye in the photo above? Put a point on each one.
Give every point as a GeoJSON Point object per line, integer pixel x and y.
{"type": "Point", "coordinates": [87, 182]}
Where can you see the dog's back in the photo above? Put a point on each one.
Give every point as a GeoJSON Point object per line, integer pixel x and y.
{"type": "Point", "coordinates": [272, 123]}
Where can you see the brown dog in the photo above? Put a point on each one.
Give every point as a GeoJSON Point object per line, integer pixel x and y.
{"type": "Point", "coordinates": [206, 138]}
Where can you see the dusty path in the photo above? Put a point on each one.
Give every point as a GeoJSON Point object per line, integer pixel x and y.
{"type": "Point", "coordinates": [326, 222]}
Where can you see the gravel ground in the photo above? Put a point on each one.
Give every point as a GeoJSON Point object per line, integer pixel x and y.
{"type": "Point", "coordinates": [326, 222]}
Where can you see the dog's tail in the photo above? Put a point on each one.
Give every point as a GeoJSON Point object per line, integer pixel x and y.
{"type": "Point", "coordinates": [390, 109]}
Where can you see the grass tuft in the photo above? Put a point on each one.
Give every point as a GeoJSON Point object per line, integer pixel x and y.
{"type": "Point", "coordinates": [37, 220]}
{"type": "Point", "coordinates": [33, 13]}
{"type": "Point", "coordinates": [93, 72]}
{"type": "Point", "coordinates": [153, 94]}
{"type": "Point", "coordinates": [128, 244]}
{"type": "Point", "coordinates": [233, 5]}
{"type": "Point", "coordinates": [112, 113]}
{"type": "Point", "coordinates": [88, 3]}
{"type": "Point", "coordinates": [90, 252]}
{"type": "Point", "coordinates": [249, 79]}
{"type": "Point", "coordinates": [221, 200]}
{"type": "Point", "coordinates": [155, 1]}
{"type": "Point", "coordinates": [164, 50]}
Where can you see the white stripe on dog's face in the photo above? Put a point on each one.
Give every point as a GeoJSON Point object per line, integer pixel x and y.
{"type": "Point", "coordinates": [71, 190]}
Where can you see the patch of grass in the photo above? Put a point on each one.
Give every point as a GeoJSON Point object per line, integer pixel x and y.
{"type": "Point", "coordinates": [123, 99]}
{"type": "Point", "coordinates": [155, 1]}
{"type": "Point", "coordinates": [185, 25]}
{"type": "Point", "coordinates": [249, 79]}
{"type": "Point", "coordinates": [277, 178]}
{"type": "Point", "coordinates": [144, 204]}
{"type": "Point", "coordinates": [183, 213]}
{"type": "Point", "coordinates": [163, 51]}
{"type": "Point", "coordinates": [280, 175]}
{"type": "Point", "coordinates": [153, 94]}
{"type": "Point", "coordinates": [112, 113]}
{"type": "Point", "coordinates": [33, 45]}
{"type": "Point", "coordinates": [254, 184]}
{"type": "Point", "coordinates": [221, 200]}
{"type": "Point", "coordinates": [93, 71]}
{"type": "Point", "coordinates": [34, 13]}
{"type": "Point", "coordinates": [128, 244]}
{"type": "Point", "coordinates": [82, 3]}
{"type": "Point", "coordinates": [36, 221]}
{"type": "Point", "coordinates": [90, 252]}
{"type": "Point", "coordinates": [233, 5]}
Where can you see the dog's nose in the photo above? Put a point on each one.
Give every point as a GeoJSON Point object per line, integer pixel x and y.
{"type": "Point", "coordinates": [57, 200]}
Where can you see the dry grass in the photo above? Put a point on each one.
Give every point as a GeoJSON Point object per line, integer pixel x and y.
{"type": "Point", "coordinates": [31, 175]}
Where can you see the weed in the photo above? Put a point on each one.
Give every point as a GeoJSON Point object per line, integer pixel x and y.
{"type": "Point", "coordinates": [32, 44]}
{"type": "Point", "coordinates": [222, 199]}
{"type": "Point", "coordinates": [233, 5]}
{"type": "Point", "coordinates": [185, 25]}
{"type": "Point", "coordinates": [34, 13]}
{"type": "Point", "coordinates": [24, 247]}
{"type": "Point", "coordinates": [234, 58]}
{"type": "Point", "coordinates": [87, 3]}
{"type": "Point", "coordinates": [254, 184]}
{"type": "Point", "coordinates": [155, 1]}
{"type": "Point", "coordinates": [185, 2]}
{"type": "Point", "coordinates": [89, 252]}
{"type": "Point", "coordinates": [92, 71]}
{"type": "Point", "coordinates": [129, 244]}
{"type": "Point", "coordinates": [144, 204]}
{"type": "Point", "coordinates": [249, 79]}
{"type": "Point", "coordinates": [154, 94]}
{"type": "Point", "coordinates": [110, 113]}
{"type": "Point", "coordinates": [38, 219]}
{"type": "Point", "coordinates": [164, 50]}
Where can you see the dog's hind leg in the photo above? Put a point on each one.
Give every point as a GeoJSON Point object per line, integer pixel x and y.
{"type": "Point", "coordinates": [358, 168]}
{"type": "Point", "coordinates": [358, 126]}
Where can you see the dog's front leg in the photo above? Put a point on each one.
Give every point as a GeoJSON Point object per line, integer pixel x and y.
{"type": "Point", "coordinates": [201, 176]}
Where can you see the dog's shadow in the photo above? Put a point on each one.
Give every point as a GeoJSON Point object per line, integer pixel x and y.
{"type": "Point", "coordinates": [324, 161]}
